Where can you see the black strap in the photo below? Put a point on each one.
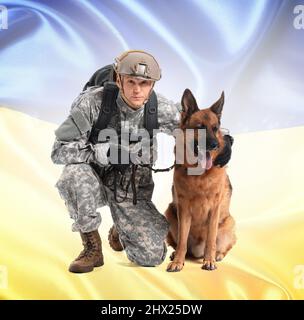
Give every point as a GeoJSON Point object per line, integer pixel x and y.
{"type": "Point", "coordinates": [151, 114]}
{"type": "Point", "coordinates": [108, 108]}
{"type": "Point", "coordinates": [133, 183]}
{"type": "Point", "coordinates": [114, 183]}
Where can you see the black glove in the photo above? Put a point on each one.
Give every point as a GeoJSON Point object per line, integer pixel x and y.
{"type": "Point", "coordinates": [224, 157]}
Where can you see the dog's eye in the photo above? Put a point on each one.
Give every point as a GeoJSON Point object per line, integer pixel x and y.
{"type": "Point", "coordinates": [214, 129]}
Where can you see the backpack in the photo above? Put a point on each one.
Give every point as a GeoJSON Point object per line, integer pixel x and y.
{"type": "Point", "coordinates": [106, 77]}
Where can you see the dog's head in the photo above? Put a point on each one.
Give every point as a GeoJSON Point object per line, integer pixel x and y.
{"type": "Point", "coordinates": [209, 119]}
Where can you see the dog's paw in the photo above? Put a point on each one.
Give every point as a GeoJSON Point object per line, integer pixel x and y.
{"type": "Point", "coordinates": [219, 256]}
{"type": "Point", "coordinates": [209, 265]}
{"type": "Point", "coordinates": [175, 266]}
{"type": "Point", "coordinates": [172, 256]}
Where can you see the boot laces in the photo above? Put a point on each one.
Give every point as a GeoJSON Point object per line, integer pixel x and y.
{"type": "Point", "coordinates": [90, 248]}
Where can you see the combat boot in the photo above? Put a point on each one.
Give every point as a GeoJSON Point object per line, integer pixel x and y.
{"type": "Point", "coordinates": [91, 256]}
{"type": "Point", "coordinates": [114, 241]}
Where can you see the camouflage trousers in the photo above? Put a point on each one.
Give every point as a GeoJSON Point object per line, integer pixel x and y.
{"type": "Point", "coordinates": [141, 227]}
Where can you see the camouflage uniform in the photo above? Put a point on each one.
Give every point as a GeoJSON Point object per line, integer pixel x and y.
{"type": "Point", "coordinates": [142, 229]}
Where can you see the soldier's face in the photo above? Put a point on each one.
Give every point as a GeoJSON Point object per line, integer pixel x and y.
{"type": "Point", "coordinates": [136, 90]}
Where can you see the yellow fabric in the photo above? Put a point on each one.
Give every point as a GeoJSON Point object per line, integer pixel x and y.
{"type": "Point", "coordinates": [37, 245]}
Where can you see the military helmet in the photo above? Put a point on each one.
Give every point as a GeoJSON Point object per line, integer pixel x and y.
{"type": "Point", "coordinates": [139, 64]}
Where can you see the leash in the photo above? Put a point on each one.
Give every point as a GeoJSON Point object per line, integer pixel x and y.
{"type": "Point", "coordinates": [157, 170]}
{"type": "Point", "coordinates": [121, 183]}
{"type": "Point", "coordinates": [130, 182]}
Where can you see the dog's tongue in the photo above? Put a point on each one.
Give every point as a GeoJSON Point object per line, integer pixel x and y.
{"type": "Point", "coordinates": [206, 160]}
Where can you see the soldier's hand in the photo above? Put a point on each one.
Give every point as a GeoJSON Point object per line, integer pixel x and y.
{"type": "Point", "coordinates": [100, 153]}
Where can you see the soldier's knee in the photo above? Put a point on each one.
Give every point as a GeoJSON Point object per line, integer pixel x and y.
{"type": "Point", "coordinates": [76, 170]}
{"type": "Point", "coordinates": [147, 257]}
{"type": "Point", "coordinates": [74, 173]}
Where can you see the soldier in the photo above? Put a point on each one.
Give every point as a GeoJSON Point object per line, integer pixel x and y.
{"type": "Point", "coordinates": [89, 181]}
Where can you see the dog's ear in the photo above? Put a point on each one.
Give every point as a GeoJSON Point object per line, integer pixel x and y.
{"type": "Point", "coordinates": [189, 105]}
{"type": "Point", "coordinates": [217, 107]}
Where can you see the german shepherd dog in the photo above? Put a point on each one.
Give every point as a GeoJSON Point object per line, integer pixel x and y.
{"type": "Point", "coordinates": [200, 223]}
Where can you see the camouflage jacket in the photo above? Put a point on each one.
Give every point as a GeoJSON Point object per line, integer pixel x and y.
{"type": "Point", "coordinates": [72, 143]}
